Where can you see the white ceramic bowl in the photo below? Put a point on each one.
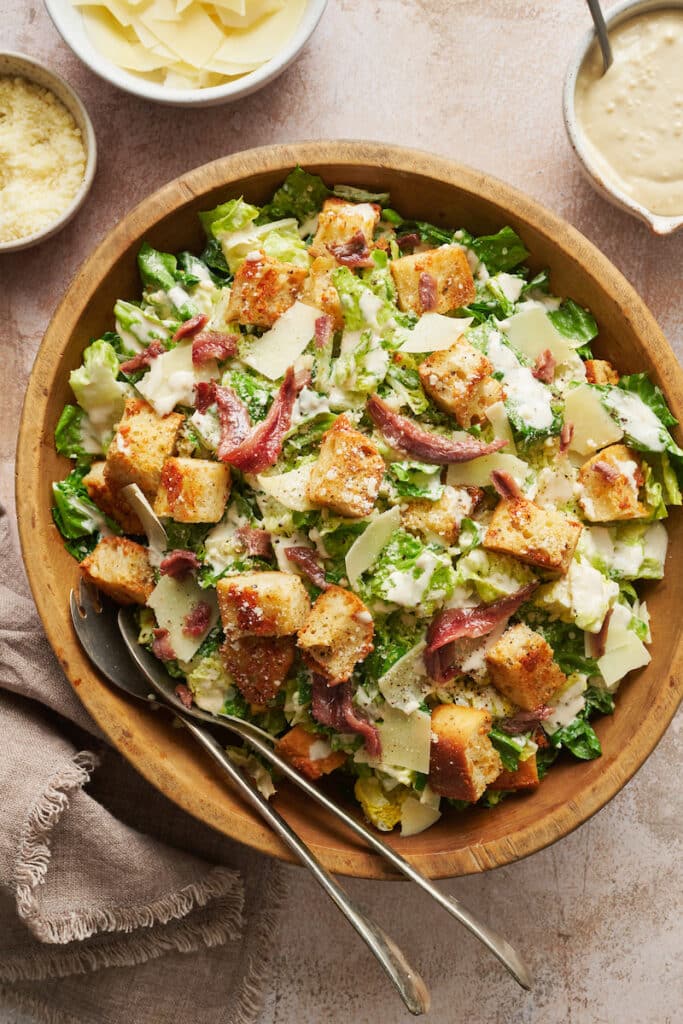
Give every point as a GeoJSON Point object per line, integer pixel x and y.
{"type": "Point", "coordinates": [69, 23]}
{"type": "Point", "coordinates": [26, 67]}
{"type": "Point", "coordinates": [615, 16]}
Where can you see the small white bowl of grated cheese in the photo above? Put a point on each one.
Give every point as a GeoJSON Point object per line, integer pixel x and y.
{"type": "Point", "coordinates": [47, 152]}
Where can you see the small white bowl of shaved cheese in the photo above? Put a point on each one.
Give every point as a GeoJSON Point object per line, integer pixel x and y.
{"type": "Point", "coordinates": [47, 152]}
{"type": "Point", "coordinates": [194, 53]}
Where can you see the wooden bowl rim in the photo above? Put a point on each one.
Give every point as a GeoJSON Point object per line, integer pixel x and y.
{"type": "Point", "coordinates": [343, 857]}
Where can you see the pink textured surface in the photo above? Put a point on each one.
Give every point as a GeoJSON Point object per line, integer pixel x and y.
{"type": "Point", "coordinates": [479, 81]}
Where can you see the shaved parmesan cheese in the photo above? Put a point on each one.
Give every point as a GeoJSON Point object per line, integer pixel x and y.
{"type": "Point", "coordinates": [532, 332]}
{"type": "Point", "coordinates": [171, 601]}
{"type": "Point", "coordinates": [367, 547]}
{"type": "Point", "coordinates": [401, 686]}
{"type": "Point", "coordinates": [185, 44]}
{"type": "Point", "coordinates": [623, 649]}
{"type": "Point", "coordinates": [278, 348]}
{"type": "Point", "coordinates": [566, 704]}
{"type": "Point", "coordinates": [477, 472]}
{"type": "Point", "coordinates": [594, 428]}
{"type": "Point", "coordinates": [416, 816]}
{"type": "Point", "coordinates": [151, 524]}
{"type": "Point", "coordinates": [290, 489]}
{"type": "Point", "coordinates": [434, 332]}
{"type": "Point", "coordinates": [405, 739]}
{"type": "Point", "coordinates": [172, 377]}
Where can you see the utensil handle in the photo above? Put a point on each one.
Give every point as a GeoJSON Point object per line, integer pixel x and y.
{"type": "Point", "coordinates": [601, 31]}
{"type": "Point", "coordinates": [405, 979]}
{"type": "Point", "coordinates": [500, 947]}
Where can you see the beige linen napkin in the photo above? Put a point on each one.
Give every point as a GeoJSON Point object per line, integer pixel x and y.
{"type": "Point", "coordinates": [114, 904]}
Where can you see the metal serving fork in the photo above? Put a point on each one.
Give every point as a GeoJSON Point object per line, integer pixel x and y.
{"type": "Point", "coordinates": [95, 622]}
{"type": "Point", "coordinates": [261, 742]}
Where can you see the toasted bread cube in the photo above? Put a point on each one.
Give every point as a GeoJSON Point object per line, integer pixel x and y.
{"type": "Point", "coordinates": [339, 221]}
{"type": "Point", "coordinates": [193, 490]}
{"type": "Point", "coordinates": [110, 500]}
{"type": "Point", "coordinates": [538, 536]}
{"type": "Point", "coordinates": [524, 777]}
{"type": "Point", "coordinates": [258, 665]}
{"type": "Point", "coordinates": [610, 484]}
{"type": "Point", "coordinates": [263, 289]}
{"type": "Point", "coordinates": [140, 446]}
{"type": "Point", "coordinates": [522, 668]}
{"type": "Point", "coordinates": [348, 472]}
{"type": "Point", "coordinates": [459, 380]}
{"type": "Point", "coordinates": [599, 371]}
{"type": "Point", "coordinates": [450, 271]}
{"type": "Point", "coordinates": [262, 604]}
{"type": "Point", "coordinates": [319, 291]}
{"type": "Point", "coordinates": [337, 634]}
{"type": "Point", "coordinates": [462, 759]}
{"type": "Point", "coordinates": [309, 753]}
{"type": "Point", "coordinates": [439, 518]}
{"type": "Point", "coordinates": [121, 569]}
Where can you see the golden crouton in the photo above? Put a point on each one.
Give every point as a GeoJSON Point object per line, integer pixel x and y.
{"type": "Point", "coordinates": [140, 446]}
{"type": "Point", "coordinates": [524, 777]}
{"type": "Point", "coordinates": [258, 665]}
{"type": "Point", "coordinates": [442, 517]}
{"type": "Point", "coordinates": [121, 569]}
{"type": "Point", "coordinates": [522, 668]}
{"type": "Point", "coordinates": [339, 221]}
{"type": "Point", "coordinates": [193, 490]}
{"type": "Point", "coordinates": [337, 634]}
{"type": "Point", "coordinates": [263, 289]}
{"type": "Point", "coordinates": [110, 500]}
{"type": "Point", "coordinates": [449, 271]}
{"type": "Point", "coordinates": [462, 759]}
{"type": "Point", "coordinates": [539, 536]}
{"type": "Point", "coordinates": [319, 291]}
{"type": "Point", "coordinates": [299, 748]}
{"type": "Point", "coordinates": [610, 483]}
{"type": "Point", "coordinates": [459, 380]}
{"type": "Point", "coordinates": [348, 472]}
{"type": "Point", "coordinates": [262, 604]}
{"type": "Point", "coordinates": [599, 371]}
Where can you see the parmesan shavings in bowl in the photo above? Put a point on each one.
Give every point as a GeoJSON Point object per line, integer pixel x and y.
{"type": "Point", "coordinates": [185, 44]}
{"type": "Point", "coordinates": [47, 152]}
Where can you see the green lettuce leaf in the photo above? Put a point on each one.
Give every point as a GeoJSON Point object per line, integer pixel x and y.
{"type": "Point", "coordinates": [213, 257]}
{"type": "Point", "coordinates": [97, 390]}
{"type": "Point", "coordinates": [73, 436]}
{"type": "Point", "coordinates": [579, 739]}
{"type": "Point", "coordinates": [360, 195]}
{"type": "Point", "coordinates": [502, 251]}
{"type": "Point", "coordinates": [415, 480]}
{"type": "Point", "coordinates": [641, 385]}
{"type": "Point", "coordinates": [301, 195]}
{"type": "Point", "coordinates": [394, 636]}
{"type": "Point", "coordinates": [235, 215]}
{"type": "Point", "coordinates": [254, 390]}
{"type": "Point", "coordinates": [574, 322]}
{"type": "Point", "coordinates": [509, 748]}
{"type": "Point", "coordinates": [76, 516]}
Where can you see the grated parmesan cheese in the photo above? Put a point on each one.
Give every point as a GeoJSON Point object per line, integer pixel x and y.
{"type": "Point", "coordinates": [42, 158]}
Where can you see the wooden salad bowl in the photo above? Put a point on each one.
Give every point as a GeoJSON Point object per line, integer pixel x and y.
{"type": "Point", "coordinates": [424, 187]}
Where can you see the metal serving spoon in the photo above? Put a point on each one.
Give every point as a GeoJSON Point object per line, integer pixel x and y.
{"type": "Point", "coordinates": [255, 737]}
{"type": "Point", "coordinates": [601, 30]}
{"type": "Point", "coordinates": [96, 627]}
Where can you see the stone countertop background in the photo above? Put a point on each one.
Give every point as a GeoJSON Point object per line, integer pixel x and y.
{"type": "Point", "coordinates": [479, 81]}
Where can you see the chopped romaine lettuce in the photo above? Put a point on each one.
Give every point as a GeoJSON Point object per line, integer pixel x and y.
{"type": "Point", "coordinates": [228, 217]}
{"type": "Point", "coordinates": [509, 748]}
{"type": "Point", "coordinates": [574, 322]}
{"type": "Point", "coordinates": [492, 575]}
{"type": "Point", "coordinates": [360, 195]}
{"type": "Point", "coordinates": [77, 517]}
{"type": "Point", "coordinates": [74, 437]}
{"type": "Point", "coordinates": [301, 195]}
{"type": "Point", "coordinates": [97, 390]}
{"type": "Point", "coordinates": [411, 574]}
{"type": "Point", "coordinates": [416, 480]}
{"type": "Point", "coordinates": [502, 251]}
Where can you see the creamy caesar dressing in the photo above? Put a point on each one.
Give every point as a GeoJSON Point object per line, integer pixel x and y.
{"type": "Point", "coordinates": [530, 397]}
{"type": "Point", "coordinates": [632, 116]}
